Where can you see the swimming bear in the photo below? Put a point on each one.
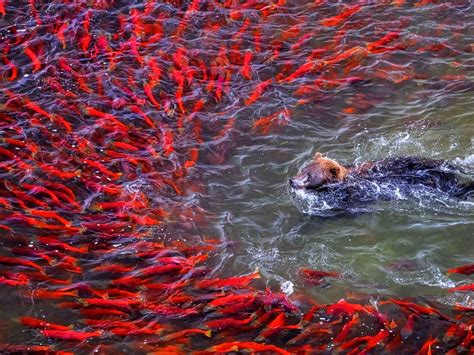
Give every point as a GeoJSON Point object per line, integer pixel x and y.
{"type": "Point", "coordinates": [343, 187]}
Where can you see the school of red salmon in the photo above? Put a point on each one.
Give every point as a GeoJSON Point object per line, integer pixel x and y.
{"type": "Point", "coordinates": [104, 101]}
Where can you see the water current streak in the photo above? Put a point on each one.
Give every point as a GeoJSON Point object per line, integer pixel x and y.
{"type": "Point", "coordinates": [107, 106]}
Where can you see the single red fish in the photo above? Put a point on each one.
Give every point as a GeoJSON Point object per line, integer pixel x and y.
{"type": "Point", "coordinates": [23, 196]}
{"type": "Point", "coordinates": [49, 214]}
{"type": "Point", "coordinates": [85, 40]}
{"type": "Point", "coordinates": [235, 304]}
{"type": "Point", "coordinates": [159, 270]}
{"type": "Point", "coordinates": [312, 330]}
{"type": "Point", "coordinates": [148, 120]}
{"type": "Point", "coordinates": [60, 33]}
{"type": "Point", "coordinates": [258, 91]}
{"type": "Point", "coordinates": [417, 309]}
{"type": "Point", "coordinates": [237, 346]}
{"type": "Point", "coordinates": [463, 288]}
{"type": "Point", "coordinates": [168, 142]}
{"type": "Point", "coordinates": [57, 244]}
{"type": "Point", "coordinates": [265, 123]}
{"type": "Point", "coordinates": [236, 282]}
{"type": "Point", "coordinates": [193, 157]}
{"type": "Point", "coordinates": [424, 2]}
{"type": "Point", "coordinates": [101, 168]}
{"type": "Point", "coordinates": [230, 323]}
{"type": "Point", "coordinates": [32, 252]}
{"type": "Point", "coordinates": [58, 186]}
{"type": "Point", "coordinates": [270, 329]}
{"type": "Point", "coordinates": [34, 12]}
{"type": "Point", "coordinates": [257, 39]}
{"type": "Point", "coordinates": [465, 270]}
{"type": "Point", "coordinates": [102, 312]}
{"type": "Point", "coordinates": [308, 317]}
{"type": "Point", "coordinates": [84, 287]}
{"type": "Point", "coordinates": [291, 32]}
{"type": "Point", "coordinates": [148, 91]}
{"type": "Point", "coordinates": [5, 203]}
{"type": "Point", "coordinates": [113, 268]}
{"type": "Point", "coordinates": [102, 44]}
{"type": "Point", "coordinates": [426, 348]}
{"type": "Point", "coordinates": [246, 69]}
{"type": "Point", "coordinates": [342, 306]}
{"type": "Point", "coordinates": [38, 189]}
{"type": "Point", "coordinates": [125, 303]}
{"type": "Point", "coordinates": [184, 333]}
{"type": "Point", "coordinates": [12, 66]}
{"type": "Point", "coordinates": [354, 52]}
{"type": "Point", "coordinates": [40, 323]}
{"type": "Point", "coordinates": [389, 37]}
{"type": "Point", "coordinates": [70, 335]}
{"type": "Point", "coordinates": [109, 189]}
{"type": "Point", "coordinates": [338, 19]}
{"type": "Point", "coordinates": [224, 133]}
{"type": "Point", "coordinates": [35, 107]}
{"type": "Point", "coordinates": [302, 41]}
{"type": "Point", "coordinates": [106, 117]}
{"type": "Point", "coordinates": [407, 329]}
{"type": "Point", "coordinates": [154, 76]}
{"type": "Point", "coordinates": [303, 69]}
{"type": "Point", "coordinates": [28, 349]}
{"type": "Point", "coordinates": [63, 175]}
{"type": "Point", "coordinates": [107, 324]}
{"type": "Point", "coordinates": [313, 277]}
{"type": "Point", "coordinates": [34, 59]}
{"type": "Point", "coordinates": [5, 260]}
{"type": "Point", "coordinates": [199, 105]}
{"type": "Point", "coordinates": [347, 328]}
{"type": "Point", "coordinates": [455, 330]}
{"type": "Point", "coordinates": [117, 205]}
{"type": "Point", "coordinates": [219, 86]}
{"type": "Point", "coordinates": [10, 282]}
{"type": "Point", "coordinates": [171, 311]}
{"type": "Point", "coordinates": [42, 293]}
{"type": "Point", "coordinates": [117, 293]}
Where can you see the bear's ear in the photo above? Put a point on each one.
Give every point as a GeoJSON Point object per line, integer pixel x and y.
{"type": "Point", "coordinates": [317, 156]}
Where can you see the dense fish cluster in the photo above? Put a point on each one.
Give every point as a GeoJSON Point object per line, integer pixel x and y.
{"type": "Point", "coordinates": [106, 109]}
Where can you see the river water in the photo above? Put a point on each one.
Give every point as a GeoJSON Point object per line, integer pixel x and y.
{"type": "Point", "coordinates": [393, 248]}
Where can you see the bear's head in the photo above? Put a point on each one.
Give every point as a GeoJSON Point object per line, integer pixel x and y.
{"type": "Point", "coordinates": [319, 172]}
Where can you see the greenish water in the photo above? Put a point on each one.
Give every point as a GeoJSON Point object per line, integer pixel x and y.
{"type": "Point", "coordinates": [397, 248]}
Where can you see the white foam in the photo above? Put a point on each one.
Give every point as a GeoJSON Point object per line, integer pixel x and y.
{"type": "Point", "coordinates": [287, 287]}
{"type": "Point", "coordinates": [431, 275]}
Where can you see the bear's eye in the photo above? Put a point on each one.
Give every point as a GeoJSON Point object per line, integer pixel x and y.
{"type": "Point", "coordinates": [334, 171]}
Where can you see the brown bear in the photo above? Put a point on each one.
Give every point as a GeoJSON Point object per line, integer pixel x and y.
{"type": "Point", "coordinates": [381, 179]}
{"type": "Point", "coordinates": [320, 171]}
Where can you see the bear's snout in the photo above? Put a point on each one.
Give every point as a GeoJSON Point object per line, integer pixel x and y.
{"type": "Point", "coordinates": [298, 182]}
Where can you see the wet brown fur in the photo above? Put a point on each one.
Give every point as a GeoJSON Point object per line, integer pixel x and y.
{"type": "Point", "coordinates": [320, 171]}
{"type": "Point", "coordinates": [404, 172]}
